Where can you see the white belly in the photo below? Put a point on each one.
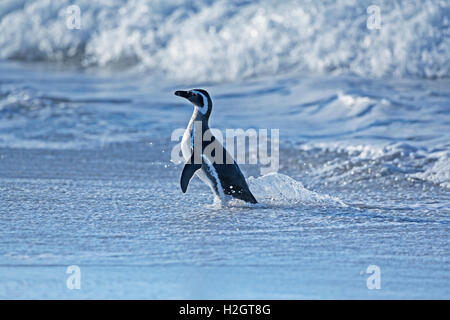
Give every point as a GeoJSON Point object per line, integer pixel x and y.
{"type": "Point", "coordinates": [186, 150]}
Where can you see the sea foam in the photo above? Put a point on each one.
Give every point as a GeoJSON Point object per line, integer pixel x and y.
{"type": "Point", "coordinates": [228, 40]}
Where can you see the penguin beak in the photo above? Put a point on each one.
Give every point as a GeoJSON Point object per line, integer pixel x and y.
{"type": "Point", "coordinates": [184, 94]}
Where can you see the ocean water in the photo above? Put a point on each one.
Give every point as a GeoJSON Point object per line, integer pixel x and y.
{"type": "Point", "coordinates": [86, 176]}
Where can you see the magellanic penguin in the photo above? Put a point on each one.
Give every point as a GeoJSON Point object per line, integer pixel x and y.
{"type": "Point", "coordinates": [223, 177]}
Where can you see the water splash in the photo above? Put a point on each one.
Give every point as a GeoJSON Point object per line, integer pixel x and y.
{"type": "Point", "coordinates": [281, 190]}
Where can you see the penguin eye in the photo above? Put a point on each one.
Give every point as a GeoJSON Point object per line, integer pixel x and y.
{"type": "Point", "coordinates": [198, 98]}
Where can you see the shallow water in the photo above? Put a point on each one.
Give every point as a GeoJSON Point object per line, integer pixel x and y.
{"type": "Point", "coordinates": [86, 179]}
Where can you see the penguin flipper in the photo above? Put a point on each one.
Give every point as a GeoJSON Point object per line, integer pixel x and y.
{"type": "Point", "coordinates": [188, 171]}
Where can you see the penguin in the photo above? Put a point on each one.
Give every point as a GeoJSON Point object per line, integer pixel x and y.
{"type": "Point", "coordinates": [223, 177]}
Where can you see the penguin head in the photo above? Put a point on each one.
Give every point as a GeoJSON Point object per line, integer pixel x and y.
{"type": "Point", "coordinates": [199, 98]}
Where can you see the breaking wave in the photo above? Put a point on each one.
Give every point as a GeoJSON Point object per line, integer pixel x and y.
{"type": "Point", "coordinates": [217, 41]}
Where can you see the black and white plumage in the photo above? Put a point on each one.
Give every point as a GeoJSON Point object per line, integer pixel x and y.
{"type": "Point", "coordinates": [224, 178]}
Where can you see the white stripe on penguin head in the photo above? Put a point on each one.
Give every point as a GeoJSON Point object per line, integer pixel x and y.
{"type": "Point", "coordinates": [202, 110]}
